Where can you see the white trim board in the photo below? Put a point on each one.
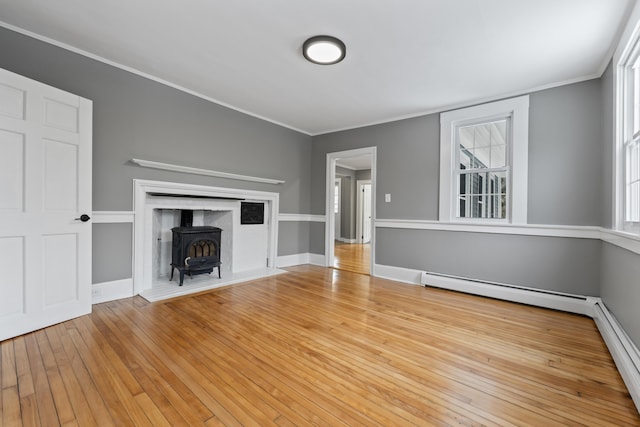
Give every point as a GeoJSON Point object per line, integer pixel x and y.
{"type": "Point", "coordinates": [112, 217]}
{"type": "Point", "coordinates": [301, 217]}
{"type": "Point", "coordinates": [206, 172]}
{"type": "Point", "coordinates": [624, 240]}
{"type": "Point", "coordinates": [625, 354]}
{"type": "Point", "coordinates": [110, 291]}
{"type": "Point", "coordinates": [300, 259]}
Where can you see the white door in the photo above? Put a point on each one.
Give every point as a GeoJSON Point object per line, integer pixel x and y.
{"type": "Point", "coordinates": [45, 184]}
{"type": "Point", "coordinates": [366, 213]}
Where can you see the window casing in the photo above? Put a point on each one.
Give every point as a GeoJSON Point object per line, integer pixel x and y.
{"type": "Point", "coordinates": [628, 164]}
{"type": "Point", "coordinates": [483, 163]}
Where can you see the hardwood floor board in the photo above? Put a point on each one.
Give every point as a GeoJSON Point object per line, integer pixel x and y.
{"type": "Point", "coordinates": [108, 383]}
{"type": "Point", "coordinates": [78, 385]}
{"type": "Point", "coordinates": [11, 414]}
{"type": "Point", "coordinates": [9, 406]}
{"type": "Point", "coordinates": [176, 401]}
{"type": "Point", "coordinates": [64, 409]}
{"type": "Point", "coordinates": [46, 407]}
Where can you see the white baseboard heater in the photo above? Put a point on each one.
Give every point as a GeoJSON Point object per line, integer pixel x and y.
{"type": "Point", "coordinates": [525, 295]}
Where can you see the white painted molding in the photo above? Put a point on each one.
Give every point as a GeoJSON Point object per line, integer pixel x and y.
{"type": "Point", "coordinates": [317, 259]}
{"type": "Point", "coordinates": [207, 172]}
{"type": "Point", "coordinates": [580, 232]}
{"type": "Point", "coordinates": [398, 274]}
{"type": "Point", "coordinates": [291, 260]}
{"type": "Point", "coordinates": [345, 240]}
{"type": "Point", "coordinates": [300, 259]}
{"type": "Point", "coordinates": [112, 217]}
{"type": "Point", "coordinates": [626, 241]}
{"type": "Point", "coordinates": [301, 217]}
{"type": "Point", "coordinates": [622, 349]}
{"type": "Point", "coordinates": [109, 291]}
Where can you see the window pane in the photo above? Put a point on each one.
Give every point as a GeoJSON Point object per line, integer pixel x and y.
{"type": "Point", "coordinates": [483, 146]}
{"type": "Point", "coordinates": [482, 195]}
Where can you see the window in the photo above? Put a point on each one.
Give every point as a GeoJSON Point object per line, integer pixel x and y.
{"type": "Point", "coordinates": [336, 197]}
{"type": "Point", "coordinates": [628, 157]}
{"type": "Point", "coordinates": [483, 162]}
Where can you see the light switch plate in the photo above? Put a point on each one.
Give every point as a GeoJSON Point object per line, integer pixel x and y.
{"type": "Point", "coordinates": [387, 198]}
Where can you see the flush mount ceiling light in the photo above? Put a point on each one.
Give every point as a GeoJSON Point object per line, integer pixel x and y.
{"type": "Point", "coordinates": [324, 50]}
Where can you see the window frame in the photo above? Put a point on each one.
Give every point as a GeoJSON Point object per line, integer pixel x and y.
{"type": "Point", "coordinates": [627, 82]}
{"type": "Point", "coordinates": [517, 112]}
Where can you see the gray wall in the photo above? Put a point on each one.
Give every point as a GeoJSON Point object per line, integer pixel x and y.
{"type": "Point", "coordinates": [138, 118]}
{"type": "Point", "coordinates": [347, 206]}
{"type": "Point", "coordinates": [552, 263]}
{"type": "Point", "coordinates": [620, 287]}
{"type": "Point", "coordinates": [565, 149]}
{"type": "Point", "coordinates": [565, 169]}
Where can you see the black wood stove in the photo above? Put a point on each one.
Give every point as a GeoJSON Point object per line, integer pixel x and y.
{"type": "Point", "coordinates": [195, 250]}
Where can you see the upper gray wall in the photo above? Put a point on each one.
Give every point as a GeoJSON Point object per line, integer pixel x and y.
{"type": "Point", "coordinates": [135, 117]}
{"type": "Point", "coordinates": [407, 166]}
{"type": "Point", "coordinates": [565, 148]}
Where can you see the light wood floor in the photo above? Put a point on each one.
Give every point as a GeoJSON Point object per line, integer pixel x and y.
{"type": "Point", "coordinates": [355, 257]}
{"type": "Point", "coordinates": [315, 346]}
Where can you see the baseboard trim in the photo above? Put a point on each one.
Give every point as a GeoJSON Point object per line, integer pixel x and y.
{"type": "Point", "coordinates": [624, 352]}
{"type": "Point", "coordinates": [109, 291]}
{"type": "Point", "coordinates": [300, 259]}
{"type": "Point", "coordinates": [345, 240]}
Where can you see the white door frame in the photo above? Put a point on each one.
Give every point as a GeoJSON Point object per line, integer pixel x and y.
{"type": "Point", "coordinates": [359, 209]}
{"type": "Point", "coordinates": [329, 229]}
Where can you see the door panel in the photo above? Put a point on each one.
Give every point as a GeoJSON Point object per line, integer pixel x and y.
{"type": "Point", "coordinates": [12, 267]}
{"type": "Point", "coordinates": [45, 183]}
{"type": "Point", "coordinates": [60, 176]}
{"type": "Point", "coordinates": [11, 171]}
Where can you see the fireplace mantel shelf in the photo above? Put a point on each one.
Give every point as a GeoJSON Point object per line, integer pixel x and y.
{"type": "Point", "coordinates": [207, 172]}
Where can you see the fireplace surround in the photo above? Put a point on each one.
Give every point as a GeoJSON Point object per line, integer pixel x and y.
{"type": "Point", "coordinates": [250, 250]}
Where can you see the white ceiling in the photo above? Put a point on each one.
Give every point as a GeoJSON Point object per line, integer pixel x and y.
{"type": "Point", "coordinates": [404, 57]}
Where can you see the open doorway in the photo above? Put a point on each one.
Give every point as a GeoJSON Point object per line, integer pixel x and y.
{"type": "Point", "coordinates": [349, 229]}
